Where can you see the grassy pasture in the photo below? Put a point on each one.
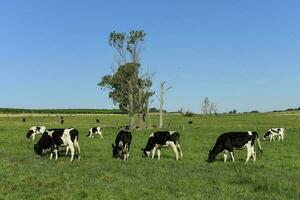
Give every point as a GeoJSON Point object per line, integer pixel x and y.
{"type": "Point", "coordinates": [276, 175]}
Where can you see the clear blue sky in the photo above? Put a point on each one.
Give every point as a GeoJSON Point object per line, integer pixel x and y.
{"type": "Point", "coordinates": [243, 55]}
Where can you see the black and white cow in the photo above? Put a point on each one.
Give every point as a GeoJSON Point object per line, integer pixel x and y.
{"type": "Point", "coordinates": [228, 142]}
{"type": "Point", "coordinates": [35, 130]}
{"type": "Point", "coordinates": [122, 145]}
{"type": "Point", "coordinates": [54, 138]}
{"type": "Point", "coordinates": [95, 131]}
{"type": "Point", "coordinates": [160, 139]}
{"type": "Point", "coordinates": [274, 132]}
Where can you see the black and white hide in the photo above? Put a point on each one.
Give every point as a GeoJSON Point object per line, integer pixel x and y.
{"type": "Point", "coordinates": [228, 142]}
{"type": "Point", "coordinates": [272, 133]}
{"type": "Point", "coordinates": [161, 139]}
{"type": "Point", "coordinates": [122, 144]}
{"type": "Point", "coordinates": [35, 130]}
{"type": "Point", "coordinates": [54, 138]}
{"type": "Point", "coordinates": [95, 131]}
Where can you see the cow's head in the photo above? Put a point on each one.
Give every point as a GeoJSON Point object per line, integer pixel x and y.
{"type": "Point", "coordinates": [211, 156]}
{"type": "Point", "coordinates": [38, 151]}
{"type": "Point", "coordinates": [145, 152]}
{"type": "Point", "coordinates": [118, 150]}
{"type": "Point", "coordinates": [89, 135]}
{"type": "Point", "coordinates": [29, 134]}
{"type": "Point", "coordinates": [267, 135]}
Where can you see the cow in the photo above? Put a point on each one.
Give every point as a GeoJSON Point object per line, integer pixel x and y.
{"type": "Point", "coordinates": [54, 138]}
{"type": "Point", "coordinates": [274, 132]}
{"type": "Point", "coordinates": [35, 130]}
{"type": "Point", "coordinates": [95, 131]}
{"type": "Point", "coordinates": [122, 145]}
{"type": "Point", "coordinates": [160, 139]}
{"type": "Point", "coordinates": [228, 142]}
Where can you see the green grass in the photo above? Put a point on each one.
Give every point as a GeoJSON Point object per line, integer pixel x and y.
{"type": "Point", "coordinates": [276, 175]}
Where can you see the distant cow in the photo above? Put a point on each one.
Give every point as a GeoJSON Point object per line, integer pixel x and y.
{"type": "Point", "coordinates": [122, 145]}
{"type": "Point", "coordinates": [274, 132]}
{"type": "Point", "coordinates": [228, 142]}
{"type": "Point", "coordinates": [95, 131]}
{"type": "Point", "coordinates": [160, 139]}
{"type": "Point", "coordinates": [35, 130]}
{"type": "Point", "coordinates": [54, 138]}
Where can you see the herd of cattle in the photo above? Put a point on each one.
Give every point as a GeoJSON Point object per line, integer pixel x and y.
{"type": "Point", "coordinates": [52, 139]}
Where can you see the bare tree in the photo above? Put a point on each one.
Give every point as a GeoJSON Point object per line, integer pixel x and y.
{"type": "Point", "coordinates": [213, 108]}
{"type": "Point", "coordinates": [208, 107]}
{"type": "Point", "coordinates": [163, 90]}
{"type": "Point", "coordinates": [205, 106]}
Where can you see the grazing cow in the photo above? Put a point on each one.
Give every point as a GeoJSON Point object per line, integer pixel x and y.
{"type": "Point", "coordinates": [122, 145]}
{"type": "Point", "coordinates": [227, 142]}
{"type": "Point", "coordinates": [35, 130]}
{"type": "Point", "coordinates": [160, 139]}
{"type": "Point", "coordinates": [54, 138]}
{"type": "Point", "coordinates": [95, 131]}
{"type": "Point", "coordinates": [274, 132]}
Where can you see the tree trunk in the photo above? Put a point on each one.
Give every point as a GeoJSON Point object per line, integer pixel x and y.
{"type": "Point", "coordinates": [141, 110]}
{"type": "Point", "coordinates": [149, 117]}
{"type": "Point", "coordinates": [161, 122]}
{"type": "Point", "coordinates": [131, 111]}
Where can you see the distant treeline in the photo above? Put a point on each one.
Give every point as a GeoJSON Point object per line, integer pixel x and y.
{"type": "Point", "coordinates": [61, 111]}
{"type": "Point", "coordinates": [288, 110]}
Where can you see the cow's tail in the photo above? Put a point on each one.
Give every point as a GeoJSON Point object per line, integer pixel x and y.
{"type": "Point", "coordinates": [179, 147]}
{"type": "Point", "coordinates": [76, 144]}
{"type": "Point", "coordinates": [258, 143]}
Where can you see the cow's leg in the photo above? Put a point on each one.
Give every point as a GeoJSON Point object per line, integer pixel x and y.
{"type": "Point", "coordinates": [179, 150]}
{"type": "Point", "coordinates": [225, 155]}
{"type": "Point", "coordinates": [153, 152]}
{"type": "Point", "coordinates": [253, 153]}
{"type": "Point", "coordinates": [56, 153]}
{"type": "Point", "coordinates": [51, 152]}
{"type": "Point", "coordinates": [67, 150]}
{"type": "Point", "coordinates": [249, 152]}
{"type": "Point", "coordinates": [232, 156]}
{"type": "Point", "coordinates": [158, 154]}
{"type": "Point", "coordinates": [72, 151]}
{"type": "Point", "coordinates": [175, 150]}
{"type": "Point", "coordinates": [273, 138]}
{"type": "Point", "coordinates": [76, 144]}
{"type": "Point", "coordinates": [101, 135]}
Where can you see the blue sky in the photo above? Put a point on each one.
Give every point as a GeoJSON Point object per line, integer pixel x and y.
{"type": "Point", "coordinates": [243, 55]}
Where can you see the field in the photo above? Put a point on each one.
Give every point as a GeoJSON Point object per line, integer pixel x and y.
{"type": "Point", "coordinates": [275, 175]}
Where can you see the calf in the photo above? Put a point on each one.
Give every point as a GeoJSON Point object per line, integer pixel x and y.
{"type": "Point", "coordinates": [95, 131]}
{"type": "Point", "coordinates": [160, 139]}
{"type": "Point", "coordinates": [227, 142]}
{"type": "Point", "coordinates": [54, 138]}
{"type": "Point", "coordinates": [122, 145]}
{"type": "Point", "coordinates": [35, 130]}
{"type": "Point", "coordinates": [274, 132]}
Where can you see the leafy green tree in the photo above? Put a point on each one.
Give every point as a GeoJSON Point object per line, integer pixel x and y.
{"type": "Point", "coordinates": [127, 87]}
